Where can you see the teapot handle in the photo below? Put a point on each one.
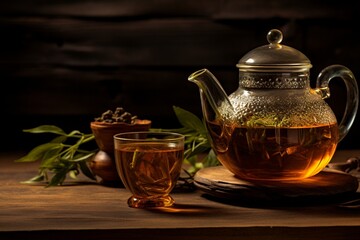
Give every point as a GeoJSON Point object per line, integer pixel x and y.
{"type": "Point", "coordinates": [352, 100]}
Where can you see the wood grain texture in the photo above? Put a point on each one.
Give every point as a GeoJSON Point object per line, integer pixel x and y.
{"type": "Point", "coordinates": [85, 210]}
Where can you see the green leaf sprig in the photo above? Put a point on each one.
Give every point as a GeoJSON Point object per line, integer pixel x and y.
{"type": "Point", "coordinates": [60, 158]}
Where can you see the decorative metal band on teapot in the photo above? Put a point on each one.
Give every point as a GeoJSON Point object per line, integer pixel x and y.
{"type": "Point", "coordinates": [274, 80]}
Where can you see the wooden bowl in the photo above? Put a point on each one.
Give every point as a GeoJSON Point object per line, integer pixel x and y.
{"type": "Point", "coordinates": [104, 132]}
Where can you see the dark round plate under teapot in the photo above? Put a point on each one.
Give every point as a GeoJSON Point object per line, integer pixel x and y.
{"type": "Point", "coordinates": [327, 186]}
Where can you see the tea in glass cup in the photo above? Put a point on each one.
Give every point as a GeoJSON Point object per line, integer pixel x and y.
{"type": "Point", "coordinates": [149, 165]}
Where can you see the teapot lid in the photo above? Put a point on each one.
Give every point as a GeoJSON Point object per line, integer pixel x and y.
{"type": "Point", "coordinates": [274, 57]}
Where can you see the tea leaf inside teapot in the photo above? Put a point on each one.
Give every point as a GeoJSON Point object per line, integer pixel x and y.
{"type": "Point", "coordinates": [271, 120]}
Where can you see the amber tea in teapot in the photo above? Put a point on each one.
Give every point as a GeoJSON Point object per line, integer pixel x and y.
{"type": "Point", "coordinates": [281, 153]}
{"type": "Point", "coordinates": [275, 126]}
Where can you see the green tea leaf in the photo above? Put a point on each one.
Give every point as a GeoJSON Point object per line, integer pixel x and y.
{"type": "Point", "coordinates": [189, 120]}
{"type": "Point", "coordinates": [195, 164]}
{"type": "Point", "coordinates": [73, 133]}
{"type": "Point", "coordinates": [49, 163]}
{"type": "Point", "coordinates": [35, 179]}
{"type": "Point", "coordinates": [191, 160]}
{"type": "Point", "coordinates": [38, 152]}
{"type": "Point", "coordinates": [82, 157]}
{"type": "Point", "coordinates": [73, 174]}
{"type": "Point", "coordinates": [59, 139]}
{"type": "Point", "coordinates": [58, 178]}
{"type": "Point", "coordinates": [211, 160]}
{"type": "Point", "coordinates": [46, 129]}
{"type": "Point", "coordinates": [51, 156]}
{"type": "Point", "coordinates": [197, 150]}
{"type": "Point", "coordinates": [86, 170]}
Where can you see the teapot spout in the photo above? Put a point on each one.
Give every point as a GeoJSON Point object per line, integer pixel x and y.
{"type": "Point", "coordinates": [214, 101]}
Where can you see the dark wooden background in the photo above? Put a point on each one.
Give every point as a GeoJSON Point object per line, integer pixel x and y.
{"type": "Point", "coordinates": [65, 62]}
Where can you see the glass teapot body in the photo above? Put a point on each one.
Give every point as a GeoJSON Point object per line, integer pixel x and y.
{"type": "Point", "coordinates": [275, 126]}
{"type": "Point", "coordinates": [281, 131]}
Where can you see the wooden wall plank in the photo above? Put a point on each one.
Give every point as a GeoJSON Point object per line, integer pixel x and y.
{"type": "Point", "coordinates": [110, 8]}
{"type": "Point", "coordinates": [215, 9]}
{"type": "Point", "coordinates": [67, 60]}
{"type": "Point", "coordinates": [293, 9]}
{"type": "Point", "coordinates": [76, 92]}
{"type": "Point", "coordinates": [170, 42]}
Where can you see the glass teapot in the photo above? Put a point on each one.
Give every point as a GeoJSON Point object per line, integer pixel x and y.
{"type": "Point", "coordinates": [275, 126]}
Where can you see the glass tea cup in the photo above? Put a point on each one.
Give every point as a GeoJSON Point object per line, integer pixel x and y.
{"type": "Point", "coordinates": [149, 164]}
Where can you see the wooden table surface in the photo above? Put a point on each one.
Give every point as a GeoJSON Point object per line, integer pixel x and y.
{"type": "Point", "coordinates": [87, 210]}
